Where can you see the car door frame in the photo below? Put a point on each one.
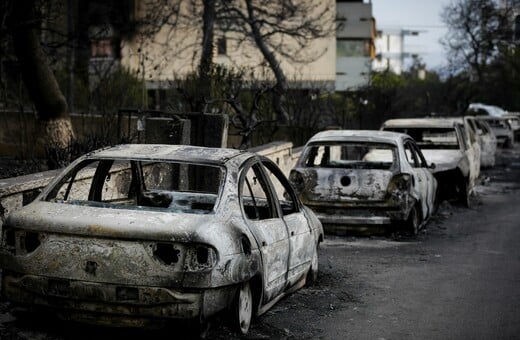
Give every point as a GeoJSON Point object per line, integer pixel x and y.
{"type": "Point", "coordinates": [423, 176]}
{"type": "Point", "coordinates": [470, 153]}
{"type": "Point", "coordinates": [301, 237]}
{"type": "Point", "coordinates": [271, 235]}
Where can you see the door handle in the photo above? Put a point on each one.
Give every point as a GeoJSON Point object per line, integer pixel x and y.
{"type": "Point", "coordinates": [292, 233]}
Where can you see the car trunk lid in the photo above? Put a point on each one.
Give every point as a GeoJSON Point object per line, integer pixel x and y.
{"type": "Point", "coordinates": [330, 185]}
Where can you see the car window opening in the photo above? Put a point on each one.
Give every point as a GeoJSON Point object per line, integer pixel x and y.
{"type": "Point", "coordinates": [150, 185]}
{"type": "Point", "coordinates": [351, 155]}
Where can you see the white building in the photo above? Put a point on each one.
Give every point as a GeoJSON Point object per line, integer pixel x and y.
{"type": "Point", "coordinates": [390, 50]}
{"type": "Point", "coordinates": [354, 44]}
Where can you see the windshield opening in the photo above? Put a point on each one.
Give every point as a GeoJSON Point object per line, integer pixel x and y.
{"type": "Point", "coordinates": [355, 155]}
{"type": "Point", "coordinates": [134, 184]}
{"type": "Point", "coordinates": [431, 138]}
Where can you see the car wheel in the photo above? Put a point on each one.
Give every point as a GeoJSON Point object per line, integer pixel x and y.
{"type": "Point", "coordinates": [463, 193]}
{"type": "Point", "coordinates": [243, 308]}
{"type": "Point", "coordinates": [312, 274]}
{"type": "Point", "coordinates": [414, 221]}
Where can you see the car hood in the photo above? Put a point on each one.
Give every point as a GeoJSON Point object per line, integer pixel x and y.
{"type": "Point", "coordinates": [444, 159]}
{"type": "Point", "coordinates": [62, 218]}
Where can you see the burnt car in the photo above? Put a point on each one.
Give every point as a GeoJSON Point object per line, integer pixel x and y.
{"type": "Point", "coordinates": [502, 128]}
{"type": "Point", "coordinates": [444, 142]}
{"type": "Point", "coordinates": [139, 235]}
{"type": "Point", "coordinates": [514, 122]}
{"type": "Point", "coordinates": [356, 179]}
{"type": "Point", "coordinates": [486, 139]}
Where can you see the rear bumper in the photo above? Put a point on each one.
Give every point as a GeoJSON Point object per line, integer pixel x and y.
{"type": "Point", "coordinates": [129, 306]}
{"type": "Point", "coordinates": [374, 214]}
{"type": "Point", "coordinates": [354, 220]}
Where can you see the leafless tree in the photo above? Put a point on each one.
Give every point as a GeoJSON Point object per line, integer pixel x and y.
{"type": "Point", "coordinates": [281, 29]}
{"type": "Point", "coordinates": [477, 30]}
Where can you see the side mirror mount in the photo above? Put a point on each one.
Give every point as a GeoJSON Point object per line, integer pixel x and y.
{"type": "Point", "coordinates": [432, 166]}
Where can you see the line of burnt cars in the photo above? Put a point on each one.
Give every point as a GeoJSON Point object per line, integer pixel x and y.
{"type": "Point", "coordinates": [141, 235]}
{"type": "Point", "coordinates": [395, 177]}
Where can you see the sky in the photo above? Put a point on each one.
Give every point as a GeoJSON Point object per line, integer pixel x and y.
{"type": "Point", "coordinates": [423, 16]}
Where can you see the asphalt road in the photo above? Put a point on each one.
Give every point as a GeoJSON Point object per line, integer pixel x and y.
{"type": "Point", "coordinates": [459, 279]}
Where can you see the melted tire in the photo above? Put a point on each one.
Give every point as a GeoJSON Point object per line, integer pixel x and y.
{"type": "Point", "coordinates": [464, 194]}
{"type": "Point", "coordinates": [413, 222]}
{"type": "Point", "coordinates": [243, 308]}
{"type": "Point", "coordinates": [312, 274]}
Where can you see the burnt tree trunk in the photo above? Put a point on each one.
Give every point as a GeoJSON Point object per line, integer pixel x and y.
{"type": "Point", "coordinates": [206, 58]}
{"type": "Point", "coordinates": [281, 81]}
{"type": "Point", "coordinates": [42, 87]}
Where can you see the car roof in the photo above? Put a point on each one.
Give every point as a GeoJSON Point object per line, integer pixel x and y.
{"type": "Point", "coordinates": [422, 122]}
{"type": "Point", "coordinates": [358, 135]}
{"type": "Point", "coordinates": [168, 152]}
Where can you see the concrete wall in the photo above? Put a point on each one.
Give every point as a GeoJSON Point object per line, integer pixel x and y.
{"type": "Point", "coordinates": [18, 191]}
{"type": "Point", "coordinates": [281, 153]}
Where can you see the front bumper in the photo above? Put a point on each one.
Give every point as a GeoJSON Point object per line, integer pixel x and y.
{"type": "Point", "coordinates": [119, 305]}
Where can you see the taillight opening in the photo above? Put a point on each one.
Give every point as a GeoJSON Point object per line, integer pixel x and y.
{"type": "Point", "coordinates": [190, 257]}
{"type": "Point", "coordinates": [202, 255]}
{"type": "Point", "coordinates": [200, 258]}
{"type": "Point", "coordinates": [20, 242]}
{"type": "Point", "coordinates": [400, 183]}
{"type": "Point", "coordinates": [296, 179]}
{"type": "Point", "coordinates": [166, 253]}
{"type": "Point", "coordinates": [31, 241]}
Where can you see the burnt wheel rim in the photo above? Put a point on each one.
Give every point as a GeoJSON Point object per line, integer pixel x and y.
{"type": "Point", "coordinates": [244, 307]}
{"type": "Point", "coordinates": [414, 221]}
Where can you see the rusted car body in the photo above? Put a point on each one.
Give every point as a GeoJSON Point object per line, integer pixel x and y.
{"type": "Point", "coordinates": [136, 235]}
{"type": "Point", "coordinates": [361, 179]}
{"type": "Point", "coordinates": [444, 142]}
{"type": "Point", "coordinates": [486, 139]}
{"type": "Point", "coordinates": [502, 129]}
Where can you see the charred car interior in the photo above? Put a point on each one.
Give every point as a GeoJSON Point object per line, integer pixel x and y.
{"type": "Point", "coordinates": [131, 184]}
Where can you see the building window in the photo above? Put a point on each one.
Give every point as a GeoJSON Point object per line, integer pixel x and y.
{"type": "Point", "coordinates": [101, 48]}
{"type": "Point", "coordinates": [221, 46]}
{"type": "Point", "coordinates": [352, 48]}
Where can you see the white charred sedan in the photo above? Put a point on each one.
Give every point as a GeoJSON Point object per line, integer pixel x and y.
{"type": "Point", "coordinates": [444, 142]}
{"type": "Point", "coordinates": [135, 234]}
{"type": "Point", "coordinates": [486, 139]}
{"type": "Point", "coordinates": [502, 129]}
{"type": "Point", "coordinates": [358, 179]}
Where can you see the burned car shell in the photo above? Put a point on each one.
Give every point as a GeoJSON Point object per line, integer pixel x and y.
{"type": "Point", "coordinates": [486, 138]}
{"type": "Point", "coordinates": [514, 122]}
{"type": "Point", "coordinates": [502, 128]}
{"type": "Point", "coordinates": [378, 191]}
{"type": "Point", "coordinates": [137, 266]}
{"type": "Point", "coordinates": [457, 166]}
